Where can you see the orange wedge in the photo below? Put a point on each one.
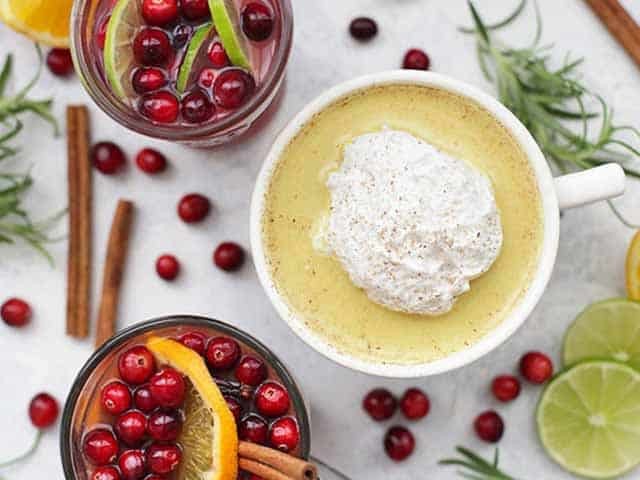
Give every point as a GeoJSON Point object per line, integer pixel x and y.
{"type": "Point", "coordinates": [209, 437]}
{"type": "Point", "coordinates": [633, 268]}
{"type": "Point", "coordinates": [45, 21]}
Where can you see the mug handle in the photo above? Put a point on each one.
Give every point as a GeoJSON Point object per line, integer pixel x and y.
{"type": "Point", "coordinates": [588, 186]}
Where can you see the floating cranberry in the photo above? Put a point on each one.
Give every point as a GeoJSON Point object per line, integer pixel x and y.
{"type": "Point", "coordinates": [363, 28]}
{"type": "Point", "coordinates": [101, 32]}
{"type": "Point", "coordinates": [193, 208]}
{"type": "Point", "coordinates": [163, 459]}
{"type": "Point", "coordinates": [232, 88]}
{"type": "Point", "coordinates": [60, 62]}
{"type": "Point", "coordinates": [195, 9]}
{"type": "Point", "coordinates": [229, 256]}
{"type": "Point", "coordinates": [164, 426]}
{"type": "Point", "coordinates": [159, 12]}
{"type": "Point", "coordinates": [152, 47]}
{"type": "Point", "coordinates": [148, 79]}
{"type": "Point", "coordinates": [132, 464]}
{"type": "Point", "coordinates": [136, 365]}
{"type": "Point", "coordinates": [222, 353]}
{"type": "Point", "coordinates": [284, 434]}
{"type": "Point", "coordinates": [489, 426]}
{"type": "Point", "coordinates": [415, 404]}
{"type": "Point", "coordinates": [43, 410]}
{"type": "Point", "coordinates": [399, 443]}
{"type": "Point", "coordinates": [107, 157]}
{"type": "Point", "coordinates": [257, 21]}
{"type": "Point", "coordinates": [380, 404]}
{"type": "Point", "coordinates": [167, 267]}
{"type": "Point", "coordinates": [131, 427]}
{"type": "Point", "coordinates": [207, 77]}
{"type": "Point", "coordinates": [505, 387]}
{"type": "Point", "coordinates": [217, 55]}
{"type": "Point", "coordinates": [251, 371]}
{"type": "Point", "coordinates": [100, 447]}
{"type": "Point", "coordinates": [181, 35]}
{"type": "Point", "coordinates": [536, 367]}
{"type": "Point", "coordinates": [253, 429]}
{"type": "Point", "coordinates": [272, 399]}
{"type": "Point", "coordinates": [416, 59]}
{"type": "Point", "coordinates": [167, 388]}
{"type": "Point", "coordinates": [195, 341]}
{"type": "Point", "coordinates": [197, 108]}
{"type": "Point", "coordinates": [105, 473]}
{"type": "Point", "coordinates": [116, 398]}
{"type": "Point", "coordinates": [235, 407]}
{"type": "Point", "coordinates": [143, 400]}
{"type": "Point", "coordinates": [151, 161]}
{"type": "Point", "coordinates": [161, 107]}
{"type": "Point", "coordinates": [15, 312]}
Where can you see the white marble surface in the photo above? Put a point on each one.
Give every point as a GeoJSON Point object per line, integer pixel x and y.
{"type": "Point", "coordinates": [590, 263]}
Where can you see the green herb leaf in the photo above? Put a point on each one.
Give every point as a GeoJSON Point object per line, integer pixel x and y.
{"type": "Point", "coordinates": [473, 466]}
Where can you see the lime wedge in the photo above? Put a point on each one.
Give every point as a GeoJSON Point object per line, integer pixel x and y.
{"type": "Point", "coordinates": [195, 45]}
{"type": "Point", "coordinates": [589, 419]}
{"type": "Point", "coordinates": [605, 330]}
{"type": "Point", "coordinates": [227, 21]}
{"type": "Point", "coordinates": [126, 18]}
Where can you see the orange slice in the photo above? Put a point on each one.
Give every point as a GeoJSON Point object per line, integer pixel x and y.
{"type": "Point", "coordinates": [209, 438]}
{"type": "Point", "coordinates": [44, 21]}
{"type": "Point", "coordinates": [633, 268]}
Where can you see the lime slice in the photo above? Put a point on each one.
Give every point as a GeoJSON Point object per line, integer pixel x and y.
{"type": "Point", "coordinates": [227, 21]}
{"type": "Point", "coordinates": [605, 330]}
{"type": "Point", "coordinates": [126, 18]}
{"type": "Point", "coordinates": [589, 419]}
{"type": "Point", "coordinates": [195, 45]}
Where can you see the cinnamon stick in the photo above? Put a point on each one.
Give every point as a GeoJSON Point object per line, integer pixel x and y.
{"type": "Point", "coordinates": [80, 222]}
{"type": "Point", "coordinates": [621, 25]}
{"type": "Point", "coordinates": [113, 271]}
{"type": "Point", "coordinates": [288, 465]}
{"type": "Point", "coordinates": [261, 470]}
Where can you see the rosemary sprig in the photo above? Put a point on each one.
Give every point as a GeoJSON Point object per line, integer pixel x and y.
{"type": "Point", "coordinates": [474, 467]}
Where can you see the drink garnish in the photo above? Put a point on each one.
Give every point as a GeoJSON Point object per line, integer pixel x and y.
{"type": "Point", "coordinates": [226, 19]}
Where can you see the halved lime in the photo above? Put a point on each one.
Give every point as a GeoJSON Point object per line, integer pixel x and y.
{"type": "Point", "coordinates": [126, 18]}
{"type": "Point", "coordinates": [226, 19]}
{"type": "Point", "coordinates": [589, 419]}
{"type": "Point", "coordinates": [605, 330]}
{"type": "Point", "coordinates": [195, 45]}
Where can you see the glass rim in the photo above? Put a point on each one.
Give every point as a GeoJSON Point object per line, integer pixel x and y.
{"type": "Point", "coordinates": [297, 399]}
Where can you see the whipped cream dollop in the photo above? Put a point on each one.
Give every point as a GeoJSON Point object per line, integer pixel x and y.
{"type": "Point", "coordinates": [410, 225]}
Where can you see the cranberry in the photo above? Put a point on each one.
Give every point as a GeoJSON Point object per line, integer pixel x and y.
{"type": "Point", "coordinates": [207, 77]}
{"type": "Point", "coordinates": [235, 407]}
{"type": "Point", "coordinates": [284, 434]}
{"type": "Point", "coordinates": [167, 388]}
{"type": "Point", "coordinates": [136, 365]}
{"type": "Point", "coordinates": [217, 55]}
{"type": "Point", "coordinates": [257, 21]}
{"type": "Point", "coordinates": [195, 341]}
{"type": "Point", "coordinates": [143, 400]}
{"type": "Point", "coordinates": [15, 312]}
{"type": "Point", "coordinates": [222, 353]}
{"type": "Point", "coordinates": [536, 367]}
{"type": "Point", "coordinates": [363, 28]}
{"type": "Point", "coordinates": [251, 371]}
{"type": "Point", "coordinates": [415, 404]}
{"type": "Point", "coordinates": [272, 399]}
{"type": "Point", "coordinates": [181, 35]}
{"type": "Point", "coordinates": [197, 108]}
{"type": "Point", "coordinates": [489, 426]}
{"type": "Point", "coordinates": [100, 447]}
{"type": "Point", "coordinates": [161, 107]}
{"type": "Point", "coordinates": [148, 79]}
{"type": "Point", "coordinates": [232, 88]}
{"type": "Point", "coordinates": [505, 387]}
{"type": "Point", "coordinates": [159, 12]}
{"type": "Point", "coordinates": [132, 464]}
{"type": "Point", "coordinates": [163, 459]}
{"type": "Point", "coordinates": [101, 32]}
{"type": "Point", "coordinates": [416, 59]}
{"type": "Point", "coordinates": [152, 47]}
{"type": "Point", "coordinates": [131, 427]}
{"type": "Point", "coordinates": [399, 443]}
{"type": "Point", "coordinates": [116, 398]}
{"type": "Point", "coordinates": [107, 157]}
{"type": "Point", "coordinates": [43, 410]}
{"type": "Point", "coordinates": [380, 404]}
{"type": "Point", "coordinates": [151, 161]}
{"type": "Point", "coordinates": [167, 267]}
{"type": "Point", "coordinates": [193, 208]}
{"type": "Point", "coordinates": [253, 429]}
{"type": "Point", "coordinates": [228, 256]}
{"type": "Point", "coordinates": [60, 62]}
{"type": "Point", "coordinates": [164, 426]}
{"type": "Point", "coordinates": [105, 473]}
{"type": "Point", "coordinates": [195, 9]}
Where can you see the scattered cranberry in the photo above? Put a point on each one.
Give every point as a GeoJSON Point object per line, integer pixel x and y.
{"type": "Point", "coordinates": [235, 407]}
{"type": "Point", "coordinates": [489, 426]}
{"type": "Point", "coordinates": [151, 161]}
{"type": "Point", "coordinates": [159, 12]}
{"type": "Point", "coordinates": [15, 312]}
{"type": "Point", "coordinates": [415, 404]}
{"type": "Point", "coordinates": [416, 59]}
{"type": "Point", "coordinates": [152, 47]}
{"type": "Point", "coordinates": [181, 35]}
{"type": "Point", "coordinates": [43, 410]}
{"type": "Point", "coordinates": [284, 434]}
{"type": "Point", "coordinates": [257, 21]}
{"type": "Point", "coordinates": [222, 353]}
{"type": "Point", "coordinates": [107, 157]}
{"type": "Point", "coordinates": [143, 400]}
{"type": "Point", "coordinates": [363, 28]}
{"type": "Point", "coordinates": [193, 208]}
{"type": "Point", "coordinates": [195, 341]}
{"type": "Point", "coordinates": [505, 387]}
{"type": "Point", "coordinates": [116, 398]}
{"type": "Point", "coordinates": [536, 367]}
{"type": "Point", "coordinates": [148, 79]}
{"type": "Point", "coordinates": [232, 88]}
{"type": "Point", "coordinates": [100, 447]}
{"type": "Point", "coordinates": [60, 62]}
{"type": "Point", "coordinates": [136, 365]}
{"type": "Point", "coordinates": [197, 108]}
{"type": "Point", "coordinates": [101, 32]}
{"type": "Point", "coordinates": [131, 427]}
{"type": "Point", "coordinates": [167, 267]}
{"type": "Point", "coordinates": [253, 429]}
{"type": "Point", "coordinates": [132, 464]}
{"type": "Point", "coordinates": [163, 459]}
{"type": "Point", "coordinates": [399, 443]}
{"type": "Point", "coordinates": [217, 55]}
{"type": "Point", "coordinates": [161, 107]}
{"type": "Point", "coordinates": [207, 77]}
{"type": "Point", "coordinates": [380, 404]}
{"type": "Point", "coordinates": [251, 371]}
{"type": "Point", "coordinates": [272, 399]}
{"type": "Point", "coordinates": [164, 426]}
{"type": "Point", "coordinates": [195, 9]}
{"type": "Point", "coordinates": [167, 388]}
{"type": "Point", "coordinates": [229, 256]}
{"type": "Point", "coordinates": [105, 473]}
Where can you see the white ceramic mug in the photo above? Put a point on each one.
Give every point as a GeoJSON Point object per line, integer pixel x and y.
{"type": "Point", "coordinates": [567, 191]}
